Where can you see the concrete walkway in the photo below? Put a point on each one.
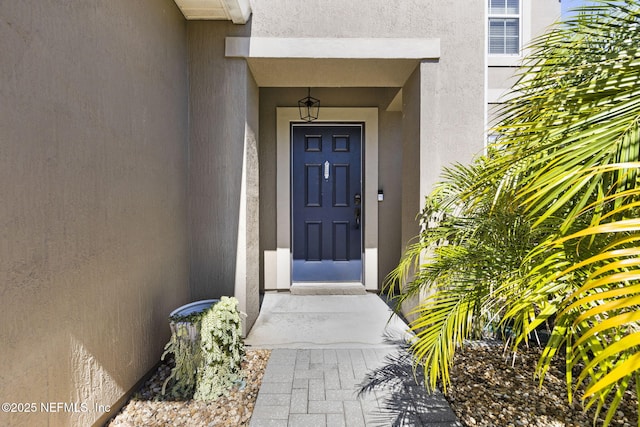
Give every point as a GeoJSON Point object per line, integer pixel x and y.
{"type": "Point", "coordinates": [323, 348]}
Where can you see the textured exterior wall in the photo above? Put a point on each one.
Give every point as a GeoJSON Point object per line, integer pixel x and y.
{"type": "Point", "coordinates": [538, 16]}
{"type": "Point", "coordinates": [223, 170]}
{"type": "Point", "coordinates": [443, 109]}
{"type": "Point", "coordinates": [411, 144]}
{"type": "Point", "coordinates": [502, 78]}
{"type": "Point", "coordinates": [93, 246]}
{"type": "Point", "coordinates": [544, 14]}
{"type": "Point", "coordinates": [444, 119]}
{"type": "Point", "coordinates": [356, 18]}
{"type": "Point", "coordinates": [390, 158]}
{"type": "Point", "coordinates": [443, 106]}
{"type": "Point", "coordinates": [411, 201]}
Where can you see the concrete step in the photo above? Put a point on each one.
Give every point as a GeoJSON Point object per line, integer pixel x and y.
{"type": "Point", "coordinates": [332, 288]}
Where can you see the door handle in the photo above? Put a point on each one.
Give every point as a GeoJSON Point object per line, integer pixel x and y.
{"type": "Point", "coordinates": [357, 218]}
{"type": "Point", "coordinates": [326, 170]}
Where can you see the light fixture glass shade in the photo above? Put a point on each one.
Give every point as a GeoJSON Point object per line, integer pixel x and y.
{"type": "Point", "coordinates": [309, 107]}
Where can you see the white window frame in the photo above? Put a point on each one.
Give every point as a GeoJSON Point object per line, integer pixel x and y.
{"type": "Point", "coordinates": [507, 60]}
{"type": "Point", "coordinates": [517, 16]}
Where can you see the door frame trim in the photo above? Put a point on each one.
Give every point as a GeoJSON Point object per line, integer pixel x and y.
{"type": "Point", "coordinates": [281, 274]}
{"type": "Point", "coordinates": [361, 180]}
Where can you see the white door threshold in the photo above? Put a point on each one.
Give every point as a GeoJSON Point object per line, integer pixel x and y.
{"type": "Point", "coordinates": [327, 288]}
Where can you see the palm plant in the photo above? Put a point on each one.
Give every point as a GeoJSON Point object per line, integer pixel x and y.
{"type": "Point", "coordinates": [557, 203]}
{"type": "Point", "coordinates": [469, 247]}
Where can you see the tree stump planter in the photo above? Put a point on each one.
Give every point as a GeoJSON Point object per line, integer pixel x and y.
{"type": "Point", "coordinates": [207, 347]}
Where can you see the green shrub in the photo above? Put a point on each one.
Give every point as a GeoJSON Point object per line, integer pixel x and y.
{"type": "Point", "coordinates": [207, 348]}
{"type": "Point", "coordinates": [222, 350]}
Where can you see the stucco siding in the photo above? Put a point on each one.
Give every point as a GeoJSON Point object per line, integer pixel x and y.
{"type": "Point", "coordinates": [537, 17]}
{"type": "Point", "coordinates": [93, 226]}
{"type": "Point", "coordinates": [390, 157]}
{"type": "Point", "coordinates": [411, 201]}
{"type": "Point", "coordinates": [544, 13]}
{"type": "Point", "coordinates": [223, 125]}
{"type": "Point", "coordinates": [337, 18]}
{"type": "Point", "coordinates": [444, 122]}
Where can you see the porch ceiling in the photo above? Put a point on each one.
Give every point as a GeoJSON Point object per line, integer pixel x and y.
{"type": "Point", "coordinates": [237, 11]}
{"type": "Point", "coordinates": [331, 72]}
{"type": "Point", "coordinates": [331, 62]}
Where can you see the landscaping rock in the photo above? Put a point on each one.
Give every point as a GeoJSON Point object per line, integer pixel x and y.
{"type": "Point", "coordinates": [148, 407]}
{"type": "Point", "coordinates": [492, 389]}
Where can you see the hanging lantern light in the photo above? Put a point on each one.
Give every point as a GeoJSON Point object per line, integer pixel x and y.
{"type": "Point", "coordinates": [309, 107]}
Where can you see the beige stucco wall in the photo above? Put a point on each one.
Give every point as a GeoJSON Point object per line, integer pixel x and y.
{"type": "Point", "coordinates": [443, 108]}
{"type": "Point", "coordinates": [223, 169]}
{"type": "Point", "coordinates": [538, 16]}
{"type": "Point", "coordinates": [390, 157]}
{"type": "Point", "coordinates": [337, 18]}
{"type": "Point", "coordinates": [410, 171]}
{"type": "Point", "coordinates": [93, 227]}
{"type": "Point", "coordinates": [545, 13]}
{"type": "Point", "coordinates": [446, 125]}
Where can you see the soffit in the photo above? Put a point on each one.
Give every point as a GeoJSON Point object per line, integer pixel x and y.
{"type": "Point", "coordinates": [331, 62]}
{"type": "Point", "coordinates": [237, 11]}
{"type": "Point", "coordinates": [273, 72]}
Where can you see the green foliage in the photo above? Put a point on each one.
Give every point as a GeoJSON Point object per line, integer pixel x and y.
{"type": "Point", "coordinates": [185, 347]}
{"type": "Point", "coordinates": [222, 349]}
{"type": "Point", "coordinates": [207, 348]}
{"type": "Point", "coordinates": [470, 248]}
{"type": "Point", "coordinates": [546, 229]}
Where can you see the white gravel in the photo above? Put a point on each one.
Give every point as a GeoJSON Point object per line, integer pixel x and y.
{"type": "Point", "coordinates": [488, 391]}
{"type": "Point", "coordinates": [147, 407]}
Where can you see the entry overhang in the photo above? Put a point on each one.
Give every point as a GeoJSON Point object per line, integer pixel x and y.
{"type": "Point", "coordinates": [331, 62]}
{"type": "Point", "coordinates": [332, 48]}
{"type": "Point", "coordinates": [237, 11]}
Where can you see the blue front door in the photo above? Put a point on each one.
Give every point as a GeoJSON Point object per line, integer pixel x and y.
{"type": "Point", "coordinates": [327, 203]}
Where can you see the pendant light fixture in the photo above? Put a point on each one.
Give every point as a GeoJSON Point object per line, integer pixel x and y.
{"type": "Point", "coordinates": [309, 107]}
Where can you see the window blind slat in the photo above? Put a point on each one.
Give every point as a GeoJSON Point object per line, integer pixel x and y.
{"type": "Point", "coordinates": [504, 36]}
{"type": "Point", "coordinates": [511, 27]}
{"type": "Point", "coordinates": [512, 46]}
{"type": "Point", "coordinates": [504, 7]}
{"type": "Point", "coordinates": [497, 6]}
{"type": "Point", "coordinates": [496, 45]}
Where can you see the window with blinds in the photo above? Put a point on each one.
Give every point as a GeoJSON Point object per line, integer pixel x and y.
{"type": "Point", "coordinates": [504, 27]}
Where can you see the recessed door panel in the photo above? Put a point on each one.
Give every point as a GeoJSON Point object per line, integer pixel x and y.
{"type": "Point", "coordinates": [341, 185]}
{"type": "Point", "coordinates": [341, 241]}
{"type": "Point", "coordinates": [326, 203]}
{"type": "Point", "coordinates": [341, 143]}
{"type": "Point", "coordinates": [313, 185]}
{"type": "Point", "coordinates": [313, 240]}
{"type": "Point", "coordinates": [313, 143]}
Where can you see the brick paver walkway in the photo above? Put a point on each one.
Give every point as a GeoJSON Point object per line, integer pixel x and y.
{"type": "Point", "coordinates": [318, 387]}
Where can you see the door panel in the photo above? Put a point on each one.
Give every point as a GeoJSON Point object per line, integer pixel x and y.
{"type": "Point", "coordinates": [341, 241]}
{"type": "Point", "coordinates": [313, 249]}
{"type": "Point", "coordinates": [341, 180]}
{"type": "Point", "coordinates": [313, 186]}
{"type": "Point", "coordinates": [326, 202]}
